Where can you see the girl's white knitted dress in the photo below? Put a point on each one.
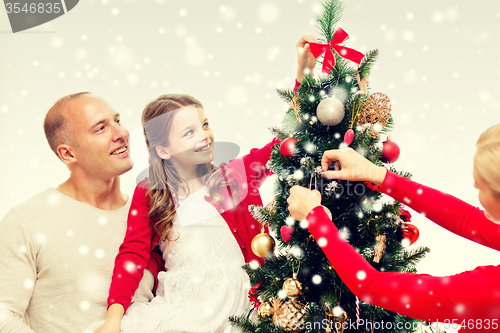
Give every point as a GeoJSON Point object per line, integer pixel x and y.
{"type": "Point", "coordinates": [204, 283]}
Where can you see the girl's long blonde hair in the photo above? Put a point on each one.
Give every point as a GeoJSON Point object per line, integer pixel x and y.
{"type": "Point", "coordinates": [487, 158]}
{"type": "Point", "coordinates": [164, 181]}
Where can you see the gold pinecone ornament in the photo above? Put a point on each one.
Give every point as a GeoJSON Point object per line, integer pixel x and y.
{"type": "Point", "coordinates": [291, 316]}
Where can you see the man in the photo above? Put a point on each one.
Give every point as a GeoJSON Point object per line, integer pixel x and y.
{"type": "Point", "coordinates": [57, 249]}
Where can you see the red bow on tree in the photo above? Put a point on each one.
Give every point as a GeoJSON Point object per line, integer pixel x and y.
{"type": "Point", "coordinates": [254, 298]}
{"type": "Point", "coordinates": [329, 61]}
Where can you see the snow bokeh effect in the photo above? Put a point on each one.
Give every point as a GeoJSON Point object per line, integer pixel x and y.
{"type": "Point", "coordinates": [438, 63]}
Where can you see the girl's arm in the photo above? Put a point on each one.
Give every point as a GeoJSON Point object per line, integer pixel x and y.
{"type": "Point", "coordinates": [445, 210]}
{"type": "Point", "coordinates": [131, 260]}
{"type": "Point", "coordinates": [255, 161]}
{"type": "Point", "coordinates": [472, 295]}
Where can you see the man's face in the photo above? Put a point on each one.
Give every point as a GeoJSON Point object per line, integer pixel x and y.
{"type": "Point", "coordinates": [101, 141]}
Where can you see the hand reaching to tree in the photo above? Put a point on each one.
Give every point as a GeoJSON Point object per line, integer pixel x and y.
{"type": "Point", "coordinates": [350, 165]}
{"type": "Point", "coordinates": [305, 60]}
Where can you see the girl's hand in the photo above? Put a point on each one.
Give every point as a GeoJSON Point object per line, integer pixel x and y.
{"type": "Point", "coordinates": [109, 327]}
{"type": "Point", "coordinates": [350, 165]}
{"type": "Point", "coordinates": [113, 319]}
{"type": "Point", "coordinates": [301, 201]}
{"type": "Point", "coordinates": [305, 59]}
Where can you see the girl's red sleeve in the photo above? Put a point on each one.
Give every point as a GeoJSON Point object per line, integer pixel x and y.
{"type": "Point", "coordinates": [255, 164]}
{"type": "Point", "coordinates": [471, 295]}
{"type": "Point", "coordinates": [134, 253]}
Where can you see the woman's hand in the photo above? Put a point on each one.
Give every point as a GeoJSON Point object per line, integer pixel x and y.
{"type": "Point", "coordinates": [350, 165]}
{"type": "Point", "coordinates": [305, 60]}
{"type": "Point", "coordinates": [301, 201]}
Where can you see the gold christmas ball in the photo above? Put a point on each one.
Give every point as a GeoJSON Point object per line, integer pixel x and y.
{"type": "Point", "coordinates": [292, 287]}
{"type": "Point", "coordinates": [263, 245]}
{"type": "Point", "coordinates": [265, 310]}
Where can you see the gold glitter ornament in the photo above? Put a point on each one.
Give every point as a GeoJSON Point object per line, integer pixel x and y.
{"type": "Point", "coordinates": [379, 248]}
{"type": "Point", "coordinates": [376, 111]}
{"type": "Point", "coordinates": [292, 287]}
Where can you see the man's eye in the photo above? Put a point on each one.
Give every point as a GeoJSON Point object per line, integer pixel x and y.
{"type": "Point", "coordinates": [117, 121]}
{"type": "Point", "coordinates": [100, 129]}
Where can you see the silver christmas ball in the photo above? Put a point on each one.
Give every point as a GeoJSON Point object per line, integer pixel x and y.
{"type": "Point", "coordinates": [330, 111]}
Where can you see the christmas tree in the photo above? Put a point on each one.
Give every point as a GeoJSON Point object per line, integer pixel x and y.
{"type": "Point", "coordinates": [298, 290]}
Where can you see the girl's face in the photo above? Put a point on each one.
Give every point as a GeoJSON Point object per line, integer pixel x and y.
{"type": "Point", "coordinates": [190, 139]}
{"type": "Point", "coordinates": [490, 203]}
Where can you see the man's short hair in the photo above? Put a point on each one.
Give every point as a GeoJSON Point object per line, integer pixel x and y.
{"type": "Point", "coordinates": [56, 126]}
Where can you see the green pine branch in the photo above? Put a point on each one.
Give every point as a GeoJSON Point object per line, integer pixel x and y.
{"type": "Point", "coordinates": [285, 94]}
{"type": "Point", "coordinates": [367, 63]}
{"type": "Point", "coordinates": [330, 16]}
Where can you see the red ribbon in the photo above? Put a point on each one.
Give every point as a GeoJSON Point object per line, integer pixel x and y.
{"type": "Point", "coordinates": [329, 62]}
{"type": "Point", "coordinates": [254, 298]}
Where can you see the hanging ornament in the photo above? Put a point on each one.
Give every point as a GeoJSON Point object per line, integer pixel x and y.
{"type": "Point", "coordinates": [286, 233]}
{"type": "Point", "coordinates": [408, 231]}
{"type": "Point", "coordinates": [328, 212]}
{"type": "Point", "coordinates": [390, 152]}
{"type": "Point", "coordinates": [292, 287]}
{"type": "Point", "coordinates": [265, 310]}
{"type": "Point", "coordinates": [348, 136]}
{"type": "Point", "coordinates": [379, 248]}
{"type": "Point", "coordinates": [263, 244]}
{"type": "Point", "coordinates": [291, 316]}
{"type": "Point", "coordinates": [376, 112]}
{"type": "Point", "coordinates": [287, 147]}
{"type": "Point", "coordinates": [329, 61]}
{"type": "Point", "coordinates": [272, 206]}
{"type": "Point", "coordinates": [336, 318]}
{"type": "Point", "coordinates": [330, 111]}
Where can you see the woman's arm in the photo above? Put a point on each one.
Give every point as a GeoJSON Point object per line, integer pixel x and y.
{"type": "Point", "coordinates": [445, 210]}
{"type": "Point", "coordinates": [468, 295]}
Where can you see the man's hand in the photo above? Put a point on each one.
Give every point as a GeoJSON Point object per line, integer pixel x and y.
{"type": "Point", "coordinates": [305, 60]}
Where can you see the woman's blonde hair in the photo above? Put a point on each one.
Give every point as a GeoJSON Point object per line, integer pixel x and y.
{"type": "Point", "coordinates": [487, 158]}
{"type": "Point", "coordinates": [164, 180]}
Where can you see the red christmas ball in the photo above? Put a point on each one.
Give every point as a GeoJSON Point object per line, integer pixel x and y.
{"type": "Point", "coordinates": [287, 146]}
{"type": "Point", "coordinates": [410, 232]}
{"type": "Point", "coordinates": [390, 152]}
{"type": "Point", "coordinates": [348, 136]}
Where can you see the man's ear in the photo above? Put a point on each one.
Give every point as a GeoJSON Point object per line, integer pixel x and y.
{"type": "Point", "coordinates": [162, 152]}
{"type": "Point", "coordinates": [66, 153]}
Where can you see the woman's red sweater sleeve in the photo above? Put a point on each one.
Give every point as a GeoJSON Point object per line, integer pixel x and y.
{"type": "Point", "coordinates": [469, 295]}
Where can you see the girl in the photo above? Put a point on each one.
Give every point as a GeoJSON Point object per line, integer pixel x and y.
{"type": "Point", "coordinates": [198, 215]}
{"type": "Point", "coordinates": [470, 299]}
